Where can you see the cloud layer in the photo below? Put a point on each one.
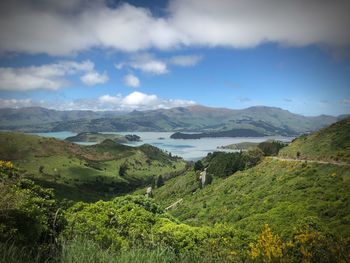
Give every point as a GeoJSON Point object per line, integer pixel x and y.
{"type": "Point", "coordinates": [133, 101]}
{"type": "Point", "coordinates": [149, 64]}
{"type": "Point", "coordinates": [185, 61]}
{"type": "Point", "coordinates": [49, 76]}
{"type": "Point", "coordinates": [140, 101]}
{"type": "Point", "coordinates": [37, 26]}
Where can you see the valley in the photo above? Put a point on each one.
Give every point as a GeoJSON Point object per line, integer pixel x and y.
{"type": "Point", "coordinates": [174, 131]}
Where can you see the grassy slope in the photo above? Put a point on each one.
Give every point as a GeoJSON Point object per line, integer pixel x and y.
{"type": "Point", "coordinates": [276, 192]}
{"type": "Point", "coordinates": [330, 144]}
{"type": "Point", "coordinates": [84, 172]}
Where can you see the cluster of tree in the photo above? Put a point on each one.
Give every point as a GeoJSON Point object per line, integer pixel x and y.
{"type": "Point", "coordinates": [123, 168]}
{"type": "Point", "coordinates": [223, 164]}
{"type": "Point", "coordinates": [157, 181]}
{"type": "Point", "coordinates": [271, 148]}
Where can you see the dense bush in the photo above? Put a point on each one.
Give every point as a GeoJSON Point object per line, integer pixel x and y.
{"type": "Point", "coordinates": [136, 222]}
{"type": "Point", "coordinates": [309, 243]}
{"type": "Point", "coordinates": [119, 224]}
{"type": "Point", "coordinates": [29, 214]}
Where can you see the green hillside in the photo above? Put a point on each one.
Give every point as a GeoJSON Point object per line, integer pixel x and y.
{"type": "Point", "coordinates": [86, 172]}
{"type": "Point", "coordinates": [328, 144]}
{"type": "Point", "coordinates": [277, 192]}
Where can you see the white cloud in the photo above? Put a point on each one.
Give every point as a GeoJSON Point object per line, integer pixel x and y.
{"type": "Point", "coordinates": [15, 103]}
{"type": "Point", "coordinates": [131, 81]}
{"type": "Point", "coordinates": [49, 76]}
{"type": "Point", "coordinates": [146, 63]}
{"type": "Point", "coordinates": [153, 66]}
{"type": "Point", "coordinates": [93, 78]}
{"type": "Point", "coordinates": [139, 99]}
{"type": "Point", "coordinates": [133, 101]}
{"type": "Point", "coordinates": [185, 61]}
{"type": "Point", "coordinates": [46, 26]}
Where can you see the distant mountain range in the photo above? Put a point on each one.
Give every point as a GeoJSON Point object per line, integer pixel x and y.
{"type": "Point", "coordinates": [30, 117]}
{"type": "Point", "coordinates": [260, 120]}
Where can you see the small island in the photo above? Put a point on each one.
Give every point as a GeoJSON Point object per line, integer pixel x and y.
{"type": "Point", "coordinates": [133, 138]}
{"type": "Point", "coordinates": [242, 146]}
{"type": "Point", "coordinates": [100, 137]}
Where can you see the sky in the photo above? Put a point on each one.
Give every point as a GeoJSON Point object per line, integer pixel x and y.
{"type": "Point", "coordinates": [142, 55]}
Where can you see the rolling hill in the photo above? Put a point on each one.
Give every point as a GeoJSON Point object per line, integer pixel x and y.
{"type": "Point", "coordinates": [257, 120]}
{"type": "Point", "coordinates": [277, 192]}
{"type": "Point", "coordinates": [86, 172]}
{"type": "Point", "coordinates": [328, 144]}
{"type": "Point", "coordinates": [39, 119]}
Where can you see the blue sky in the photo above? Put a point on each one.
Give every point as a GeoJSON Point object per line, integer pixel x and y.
{"type": "Point", "coordinates": [169, 54]}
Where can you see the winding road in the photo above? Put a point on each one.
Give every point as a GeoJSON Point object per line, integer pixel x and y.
{"type": "Point", "coordinates": [305, 160]}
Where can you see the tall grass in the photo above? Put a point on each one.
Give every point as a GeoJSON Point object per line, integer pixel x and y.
{"type": "Point", "coordinates": [9, 253]}
{"type": "Point", "coordinates": [86, 251]}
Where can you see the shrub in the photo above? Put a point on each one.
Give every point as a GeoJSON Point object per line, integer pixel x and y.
{"type": "Point", "coordinates": [121, 223]}
{"type": "Point", "coordinates": [268, 247]}
{"type": "Point", "coordinates": [160, 181]}
{"type": "Point", "coordinates": [29, 214]}
{"type": "Point", "coordinates": [123, 169]}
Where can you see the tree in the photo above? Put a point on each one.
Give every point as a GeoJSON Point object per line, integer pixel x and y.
{"type": "Point", "coordinates": [271, 147]}
{"type": "Point", "coordinates": [209, 179]}
{"type": "Point", "coordinates": [122, 169]}
{"type": "Point", "coordinates": [160, 181]}
{"type": "Point", "coordinates": [198, 166]}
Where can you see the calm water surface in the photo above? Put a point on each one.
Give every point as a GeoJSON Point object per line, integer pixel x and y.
{"type": "Point", "coordinates": [193, 149]}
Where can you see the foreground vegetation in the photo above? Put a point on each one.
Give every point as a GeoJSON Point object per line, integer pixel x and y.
{"type": "Point", "coordinates": [36, 228]}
